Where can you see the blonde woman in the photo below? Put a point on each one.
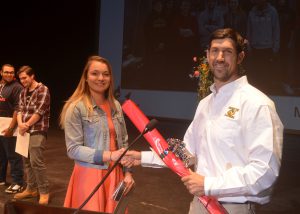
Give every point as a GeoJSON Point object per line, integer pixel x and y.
{"type": "Point", "coordinates": [95, 135]}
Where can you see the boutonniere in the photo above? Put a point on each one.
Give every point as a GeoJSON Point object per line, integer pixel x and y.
{"type": "Point", "coordinates": [231, 112]}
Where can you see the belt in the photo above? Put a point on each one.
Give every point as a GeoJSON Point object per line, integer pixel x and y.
{"type": "Point", "coordinates": [39, 133]}
{"type": "Point", "coordinates": [247, 202]}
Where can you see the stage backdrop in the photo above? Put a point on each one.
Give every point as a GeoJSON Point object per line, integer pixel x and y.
{"type": "Point", "coordinates": [161, 84]}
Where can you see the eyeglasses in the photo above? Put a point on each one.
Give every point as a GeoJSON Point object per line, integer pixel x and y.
{"type": "Point", "coordinates": [9, 72]}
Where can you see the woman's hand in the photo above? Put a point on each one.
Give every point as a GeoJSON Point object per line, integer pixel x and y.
{"type": "Point", "coordinates": [128, 179]}
{"type": "Point", "coordinates": [112, 155]}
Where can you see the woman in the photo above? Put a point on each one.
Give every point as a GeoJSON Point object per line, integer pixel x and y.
{"type": "Point", "coordinates": [96, 135]}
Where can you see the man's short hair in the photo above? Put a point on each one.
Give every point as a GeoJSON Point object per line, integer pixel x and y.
{"type": "Point", "coordinates": [27, 69]}
{"type": "Point", "coordinates": [231, 34]}
{"type": "Point", "coordinates": [7, 65]}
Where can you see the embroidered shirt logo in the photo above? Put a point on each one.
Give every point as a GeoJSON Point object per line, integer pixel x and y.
{"type": "Point", "coordinates": [231, 112]}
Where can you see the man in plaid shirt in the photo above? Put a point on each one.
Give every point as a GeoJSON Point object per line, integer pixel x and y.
{"type": "Point", "coordinates": [33, 118]}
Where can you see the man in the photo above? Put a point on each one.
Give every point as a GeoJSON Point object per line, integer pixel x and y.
{"type": "Point", "coordinates": [9, 97]}
{"type": "Point", "coordinates": [33, 118]}
{"type": "Point", "coordinates": [263, 34]}
{"type": "Point", "coordinates": [209, 20]}
{"type": "Point", "coordinates": [236, 135]}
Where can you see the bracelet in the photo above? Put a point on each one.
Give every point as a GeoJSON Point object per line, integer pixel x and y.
{"type": "Point", "coordinates": [10, 128]}
{"type": "Point", "coordinates": [110, 156]}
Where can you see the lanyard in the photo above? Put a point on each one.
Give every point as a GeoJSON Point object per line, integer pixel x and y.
{"type": "Point", "coordinates": [28, 101]}
{"type": "Point", "coordinates": [1, 86]}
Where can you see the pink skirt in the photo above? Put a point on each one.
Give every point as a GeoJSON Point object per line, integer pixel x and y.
{"type": "Point", "coordinates": [82, 183]}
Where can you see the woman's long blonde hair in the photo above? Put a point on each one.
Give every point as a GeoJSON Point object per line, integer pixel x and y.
{"type": "Point", "coordinates": [82, 92]}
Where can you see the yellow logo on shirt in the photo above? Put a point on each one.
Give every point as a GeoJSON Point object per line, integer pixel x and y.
{"type": "Point", "coordinates": [231, 112]}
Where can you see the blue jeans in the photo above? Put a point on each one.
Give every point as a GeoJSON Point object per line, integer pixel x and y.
{"type": "Point", "coordinates": [8, 145]}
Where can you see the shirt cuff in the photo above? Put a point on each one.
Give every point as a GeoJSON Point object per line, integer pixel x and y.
{"type": "Point", "coordinates": [151, 159]}
{"type": "Point", "coordinates": [208, 186]}
{"type": "Point", "coordinates": [98, 157]}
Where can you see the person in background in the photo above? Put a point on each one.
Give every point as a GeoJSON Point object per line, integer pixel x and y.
{"type": "Point", "coordinates": [184, 44]}
{"type": "Point", "coordinates": [223, 6]}
{"type": "Point", "coordinates": [287, 21]}
{"type": "Point", "coordinates": [263, 35]}
{"type": "Point", "coordinates": [96, 136]}
{"type": "Point", "coordinates": [209, 20]}
{"type": "Point", "coordinates": [235, 136]}
{"type": "Point", "coordinates": [33, 118]}
{"type": "Point", "coordinates": [156, 29]}
{"type": "Point", "coordinates": [236, 18]}
{"type": "Point", "coordinates": [10, 90]}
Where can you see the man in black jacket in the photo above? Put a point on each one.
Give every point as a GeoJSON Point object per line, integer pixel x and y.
{"type": "Point", "coordinates": [10, 90]}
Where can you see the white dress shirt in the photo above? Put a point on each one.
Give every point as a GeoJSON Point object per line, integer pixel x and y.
{"type": "Point", "coordinates": [236, 136]}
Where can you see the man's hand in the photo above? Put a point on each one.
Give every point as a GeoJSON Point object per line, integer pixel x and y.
{"type": "Point", "coordinates": [23, 127]}
{"type": "Point", "coordinates": [131, 158]}
{"type": "Point", "coordinates": [8, 132]}
{"type": "Point", "coordinates": [194, 183]}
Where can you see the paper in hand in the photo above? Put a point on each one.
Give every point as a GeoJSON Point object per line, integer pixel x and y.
{"type": "Point", "coordinates": [119, 192]}
{"type": "Point", "coordinates": [22, 144]}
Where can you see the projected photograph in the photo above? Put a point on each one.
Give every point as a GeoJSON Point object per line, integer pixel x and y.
{"type": "Point", "coordinates": [161, 37]}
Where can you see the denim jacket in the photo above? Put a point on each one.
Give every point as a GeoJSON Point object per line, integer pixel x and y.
{"type": "Point", "coordinates": [88, 136]}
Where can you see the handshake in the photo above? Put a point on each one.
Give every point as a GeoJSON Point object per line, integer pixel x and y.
{"type": "Point", "coordinates": [194, 182]}
{"type": "Point", "coordinates": [131, 158]}
{"type": "Point", "coordinates": [176, 146]}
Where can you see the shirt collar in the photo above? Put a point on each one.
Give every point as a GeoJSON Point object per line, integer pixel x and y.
{"type": "Point", "coordinates": [37, 86]}
{"type": "Point", "coordinates": [230, 87]}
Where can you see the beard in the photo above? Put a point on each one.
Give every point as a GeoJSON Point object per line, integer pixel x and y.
{"type": "Point", "coordinates": [221, 74]}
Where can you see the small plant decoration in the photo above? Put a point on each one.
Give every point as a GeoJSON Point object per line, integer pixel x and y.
{"type": "Point", "coordinates": [203, 75]}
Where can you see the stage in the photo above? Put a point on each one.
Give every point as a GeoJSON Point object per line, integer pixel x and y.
{"type": "Point", "coordinates": [160, 190]}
